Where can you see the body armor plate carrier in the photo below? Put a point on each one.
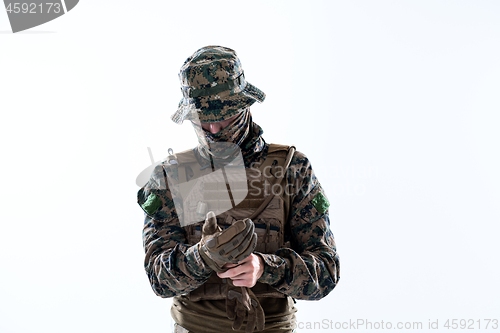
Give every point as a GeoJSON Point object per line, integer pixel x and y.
{"type": "Point", "coordinates": [262, 181]}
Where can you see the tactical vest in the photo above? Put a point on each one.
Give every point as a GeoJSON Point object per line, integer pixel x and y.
{"type": "Point", "coordinates": [270, 223]}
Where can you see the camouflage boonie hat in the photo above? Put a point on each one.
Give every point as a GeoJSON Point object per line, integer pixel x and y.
{"type": "Point", "coordinates": [214, 86]}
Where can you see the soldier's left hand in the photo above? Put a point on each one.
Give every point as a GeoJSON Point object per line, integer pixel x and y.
{"type": "Point", "coordinates": [246, 272]}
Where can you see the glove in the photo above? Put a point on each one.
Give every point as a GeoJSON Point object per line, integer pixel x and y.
{"type": "Point", "coordinates": [240, 302]}
{"type": "Point", "coordinates": [232, 245]}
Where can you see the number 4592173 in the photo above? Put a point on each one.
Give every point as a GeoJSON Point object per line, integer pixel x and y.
{"type": "Point", "coordinates": [471, 324]}
{"type": "Point", "coordinates": [33, 8]}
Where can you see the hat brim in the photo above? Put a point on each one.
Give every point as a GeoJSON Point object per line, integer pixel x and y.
{"type": "Point", "coordinates": [217, 107]}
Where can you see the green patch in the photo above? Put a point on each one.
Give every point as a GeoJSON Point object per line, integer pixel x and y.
{"type": "Point", "coordinates": [152, 204]}
{"type": "Point", "coordinates": [320, 202]}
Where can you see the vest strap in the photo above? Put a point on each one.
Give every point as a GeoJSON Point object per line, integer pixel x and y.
{"type": "Point", "coordinates": [278, 180]}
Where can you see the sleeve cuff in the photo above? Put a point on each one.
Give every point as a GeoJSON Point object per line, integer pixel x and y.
{"type": "Point", "coordinates": [272, 264]}
{"type": "Point", "coordinates": [197, 265]}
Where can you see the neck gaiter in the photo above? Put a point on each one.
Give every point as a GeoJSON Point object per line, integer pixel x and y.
{"type": "Point", "coordinates": [242, 133]}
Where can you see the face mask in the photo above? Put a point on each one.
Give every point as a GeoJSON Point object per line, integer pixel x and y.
{"type": "Point", "coordinates": [226, 142]}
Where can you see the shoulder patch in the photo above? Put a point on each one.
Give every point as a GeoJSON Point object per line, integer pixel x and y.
{"type": "Point", "coordinates": [320, 202]}
{"type": "Point", "coordinates": [152, 204]}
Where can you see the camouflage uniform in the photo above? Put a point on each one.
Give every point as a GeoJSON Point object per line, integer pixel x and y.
{"type": "Point", "coordinates": [307, 268]}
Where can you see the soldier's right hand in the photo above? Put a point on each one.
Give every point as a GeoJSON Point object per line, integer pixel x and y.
{"type": "Point", "coordinates": [232, 245]}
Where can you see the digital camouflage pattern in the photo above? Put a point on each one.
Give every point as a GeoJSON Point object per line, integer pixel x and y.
{"type": "Point", "coordinates": [308, 269]}
{"type": "Point", "coordinates": [214, 86]}
{"type": "Point", "coordinates": [227, 142]}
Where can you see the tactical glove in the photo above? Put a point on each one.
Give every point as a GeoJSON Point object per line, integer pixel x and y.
{"type": "Point", "coordinates": [240, 302]}
{"type": "Point", "coordinates": [232, 245]}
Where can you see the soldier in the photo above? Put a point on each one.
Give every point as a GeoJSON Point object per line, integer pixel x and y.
{"type": "Point", "coordinates": [249, 257]}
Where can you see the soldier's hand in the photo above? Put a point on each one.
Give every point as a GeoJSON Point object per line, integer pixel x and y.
{"type": "Point", "coordinates": [232, 245]}
{"type": "Point", "coordinates": [246, 272]}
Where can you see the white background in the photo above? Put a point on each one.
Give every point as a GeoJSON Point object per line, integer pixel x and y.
{"type": "Point", "coordinates": [396, 103]}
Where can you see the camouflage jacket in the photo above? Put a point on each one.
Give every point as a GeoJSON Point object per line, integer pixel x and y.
{"type": "Point", "coordinates": [308, 269]}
